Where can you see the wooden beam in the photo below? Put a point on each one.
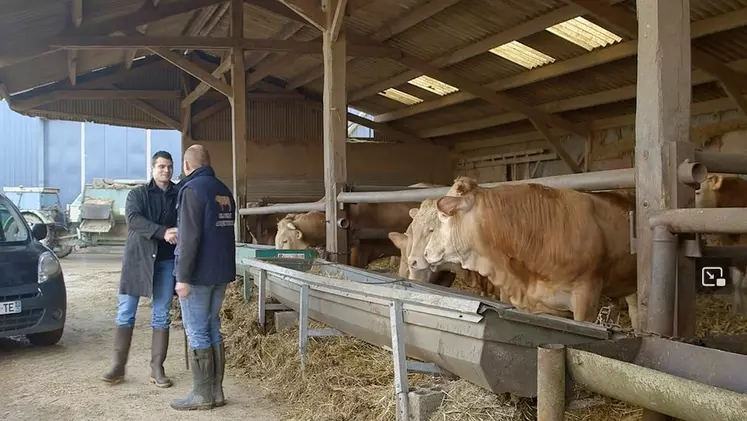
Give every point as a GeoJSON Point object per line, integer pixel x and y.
{"type": "Point", "coordinates": [337, 19]}
{"type": "Point", "coordinates": [72, 66]}
{"type": "Point", "coordinates": [194, 70]}
{"type": "Point", "coordinates": [601, 56]}
{"type": "Point", "coordinates": [77, 13]}
{"type": "Point", "coordinates": [309, 10]}
{"type": "Point", "coordinates": [400, 25]}
{"type": "Point", "coordinates": [203, 87]}
{"type": "Point", "coordinates": [736, 95]}
{"type": "Point", "coordinates": [11, 53]}
{"type": "Point", "coordinates": [663, 118]}
{"type": "Point", "coordinates": [210, 111]}
{"type": "Point", "coordinates": [238, 112]}
{"type": "Point", "coordinates": [502, 101]}
{"type": "Point", "coordinates": [557, 146]}
{"type": "Point", "coordinates": [623, 93]}
{"type": "Point", "coordinates": [334, 116]}
{"type": "Point", "coordinates": [155, 112]}
{"type": "Point", "coordinates": [623, 20]}
{"type": "Point", "coordinates": [186, 113]}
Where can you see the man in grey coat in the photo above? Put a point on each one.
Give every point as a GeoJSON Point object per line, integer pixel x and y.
{"type": "Point", "coordinates": [147, 267]}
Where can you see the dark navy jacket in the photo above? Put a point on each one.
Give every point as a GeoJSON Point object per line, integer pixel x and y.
{"type": "Point", "coordinates": [206, 245]}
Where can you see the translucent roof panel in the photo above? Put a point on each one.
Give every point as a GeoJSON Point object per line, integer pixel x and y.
{"type": "Point", "coordinates": [522, 55]}
{"type": "Point", "coordinates": [584, 33]}
{"type": "Point", "coordinates": [400, 96]}
{"type": "Point", "coordinates": [433, 85]}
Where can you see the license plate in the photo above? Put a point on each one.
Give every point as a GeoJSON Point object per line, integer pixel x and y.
{"type": "Point", "coordinates": [10, 307]}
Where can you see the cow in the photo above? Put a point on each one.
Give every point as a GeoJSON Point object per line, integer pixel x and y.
{"type": "Point", "coordinates": [727, 191]}
{"type": "Point", "coordinates": [550, 250]}
{"type": "Point", "coordinates": [383, 216]}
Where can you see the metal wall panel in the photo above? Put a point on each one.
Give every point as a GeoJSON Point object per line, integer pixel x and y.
{"type": "Point", "coordinates": [62, 158]}
{"type": "Point", "coordinates": [20, 140]}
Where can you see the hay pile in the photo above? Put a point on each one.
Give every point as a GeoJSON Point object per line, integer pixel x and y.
{"type": "Point", "coordinates": [348, 379]}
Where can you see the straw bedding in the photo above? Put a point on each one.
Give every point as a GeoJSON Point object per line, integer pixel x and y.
{"type": "Point", "coordinates": [348, 379]}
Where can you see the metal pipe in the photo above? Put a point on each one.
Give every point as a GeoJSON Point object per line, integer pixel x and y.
{"type": "Point", "coordinates": [684, 399]}
{"type": "Point", "coordinates": [551, 382]}
{"type": "Point", "coordinates": [283, 208]}
{"type": "Point", "coordinates": [702, 220]}
{"type": "Point", "coordinates": [719, 162]}
{"type": "Point", "coordinates": [692, 173]}
{"type": "Point", "coordinates": [590, 181]}
{"type": "Point", "coordinates": [663, 290]}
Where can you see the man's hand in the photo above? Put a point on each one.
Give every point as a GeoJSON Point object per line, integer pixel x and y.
{"type": "Point", "coordinates": [183, 289]}
{"type": "Point", "coordinates": [170, 236]}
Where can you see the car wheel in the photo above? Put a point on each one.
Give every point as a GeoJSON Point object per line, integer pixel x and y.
{"type": "Point", "coordinates": [45, 338]}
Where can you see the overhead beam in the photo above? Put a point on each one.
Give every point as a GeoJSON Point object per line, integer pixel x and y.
{"type": "Point", "coordinates": [309, 10]}
{"type": "Point", "coordinates": [625, 21]}
{"type": "Point", "coordinates": [337, 19]}
{"type": "Point", "coordinates": [699, 77]}
{"type": "Point", "coordinates": [13, 52]}
{"type": "Point", "coordinates": [400, 25]}
{"type": "Point", "coordinates": [302, 47]}
{"type": "Point", "coordinates": [203, 87]}
{"type": "Point", "coordinates": [601, 56]}
{"type": "Point", "coordinates": [131, 54]}
{"type": "Point", "coordinates": [194, 70]}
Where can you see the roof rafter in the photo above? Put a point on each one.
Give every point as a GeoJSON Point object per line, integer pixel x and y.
{"type": "Point", "coordinates": [604, 55]}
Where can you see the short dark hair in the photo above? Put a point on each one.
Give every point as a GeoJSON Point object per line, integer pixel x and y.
{"type": "Point", "coordinates": [161, 154]}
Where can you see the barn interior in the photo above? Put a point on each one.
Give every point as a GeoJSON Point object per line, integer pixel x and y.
{"type": "Point", "coordinates": [495, 90]}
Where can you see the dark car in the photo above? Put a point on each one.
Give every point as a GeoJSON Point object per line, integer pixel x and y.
{"type": "Point", "coordinates": [33, 299]}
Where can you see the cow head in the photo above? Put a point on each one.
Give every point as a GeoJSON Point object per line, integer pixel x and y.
{"type": "Point", "coordinates": [401, 241]}
{"type": "Point", "coordinates": [707, 195]}
{"type": "Point", "coordinates": [289, 237]}
{"type": "Point", "coordinates": [444, 244]}
{"type": "Point", "coordinates": [424, 223]}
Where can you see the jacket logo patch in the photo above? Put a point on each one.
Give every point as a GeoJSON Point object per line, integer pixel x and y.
{"type": "Point", "coordinates": [223, 201]}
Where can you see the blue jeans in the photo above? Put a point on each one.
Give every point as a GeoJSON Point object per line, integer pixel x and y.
{"type": "Point", "coordinates": [201, 315]}
{"type": "Point", "coordinates": [163, 291]}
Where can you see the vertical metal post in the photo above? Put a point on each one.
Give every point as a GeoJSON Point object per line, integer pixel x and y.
{"type": "Point", "coordinates": [551, 387]}
{"type": "Point", "coordinates": [663, 288]}
{"type": "Point", "coordinates": [238, 111]}
{"type": "Point", "coordinates": [261, 298]}
{"type": "Point", "coordinates": [303, 325]}
{"type": "Point", "coordinates": [401, 387]}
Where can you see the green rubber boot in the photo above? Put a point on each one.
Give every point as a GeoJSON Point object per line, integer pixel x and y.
{"type": "Point", "coordinates": [203, 373]}
{"type": "Point", "coordinates": [219, 361]}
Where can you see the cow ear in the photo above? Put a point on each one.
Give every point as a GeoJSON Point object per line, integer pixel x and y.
{"type": "Point", "coordinates": [299, 234]}
{"type": "Point", "coordinates": [398, 239]}
{"type": "Point", "coordinates": [450, 205]}
{"type": "Point", "coordinates": [413, 213]}
{"type": "Point", "coordinates": [716, 180]}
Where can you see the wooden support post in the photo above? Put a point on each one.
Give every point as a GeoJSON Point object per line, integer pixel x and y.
{"type": "Point", "coordinates": [335, 134]}
{"type": "Point", "coordinates": [186, 115]}
{"type": "Point", "coordinates": [238, 111]}
{"type": "Point", "coordinates": [662, 117]}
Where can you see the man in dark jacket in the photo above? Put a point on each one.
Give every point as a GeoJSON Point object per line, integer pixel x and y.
{"type": "Point", "coordinates": [205, 264]}
{"type": "Point", "coordinates": [147, 267]}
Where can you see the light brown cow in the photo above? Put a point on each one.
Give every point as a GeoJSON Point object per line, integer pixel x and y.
{"type": "Point", "coordinates": [727, 191]}
{"type": "Point", "coordinates": [550, 250]}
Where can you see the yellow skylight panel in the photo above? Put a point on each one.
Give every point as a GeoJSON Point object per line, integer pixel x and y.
{"type": "Point", "coordinates": [522, 55]}
{"type": "Point", "coordinates": [584, 33]}
{"type": "Point", "coordinates": [400, 96]}
{"type": "Point", "coordinates": [432, 85]}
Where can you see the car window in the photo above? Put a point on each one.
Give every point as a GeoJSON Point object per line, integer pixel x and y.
{"type": "Point", "coordinates": [13, 225]}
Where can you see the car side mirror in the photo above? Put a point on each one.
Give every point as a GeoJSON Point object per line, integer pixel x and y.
{"type": "Point", "coordinates": [39, 231]}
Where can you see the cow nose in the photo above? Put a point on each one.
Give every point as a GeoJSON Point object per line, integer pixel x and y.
{"type": "Point", "coordinates": [425, 254]}
{"type": "Point", "coordinates": [413, 262]}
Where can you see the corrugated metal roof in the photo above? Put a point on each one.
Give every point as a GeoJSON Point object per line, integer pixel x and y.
{"type": "Point", "coordinates": [522, 55]}
{"type": "Point", "coordinates": [400, 96]}
{"type": "Point", "coordinates": [584, 33]}
{"type": "Point", "coordinates": [433, 85]}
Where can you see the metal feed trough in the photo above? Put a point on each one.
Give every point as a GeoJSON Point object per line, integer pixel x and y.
{"type": "Point", "coordinates": [486, 342]}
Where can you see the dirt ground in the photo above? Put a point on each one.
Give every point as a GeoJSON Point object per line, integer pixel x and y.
{"type": "Point", "coordinates": [61, 382]}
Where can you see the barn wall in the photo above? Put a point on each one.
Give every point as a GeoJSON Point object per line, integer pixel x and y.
{"type": "Point", "coordinates": [295, 169]}
{"type": "Point", "coordinates": [612, 148]}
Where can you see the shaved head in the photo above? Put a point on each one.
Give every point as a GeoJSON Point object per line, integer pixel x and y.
{"type": "Point", "coordinates": [196, 156]}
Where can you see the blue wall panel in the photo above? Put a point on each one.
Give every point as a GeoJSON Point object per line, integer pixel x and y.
{"type": "Point", "coordinates": [19, 148]}
{"type": "Point", "coordinates": [62, 158]}
{"type": "Point", "coordinates": [38, 152]}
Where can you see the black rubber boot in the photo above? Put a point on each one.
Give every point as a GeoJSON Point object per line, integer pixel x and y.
{"type": "Point", "coordinates": [201, 396]}
{"type": "Point", "coordinates": [122, 341]}
{"type": "Point", "coordinates": [158, 351]}
{"type": "Point", "coordinates": [219, 361]}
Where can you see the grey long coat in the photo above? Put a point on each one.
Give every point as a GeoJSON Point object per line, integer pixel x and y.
{"type": "Point", "coordinates": [141, 246]}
